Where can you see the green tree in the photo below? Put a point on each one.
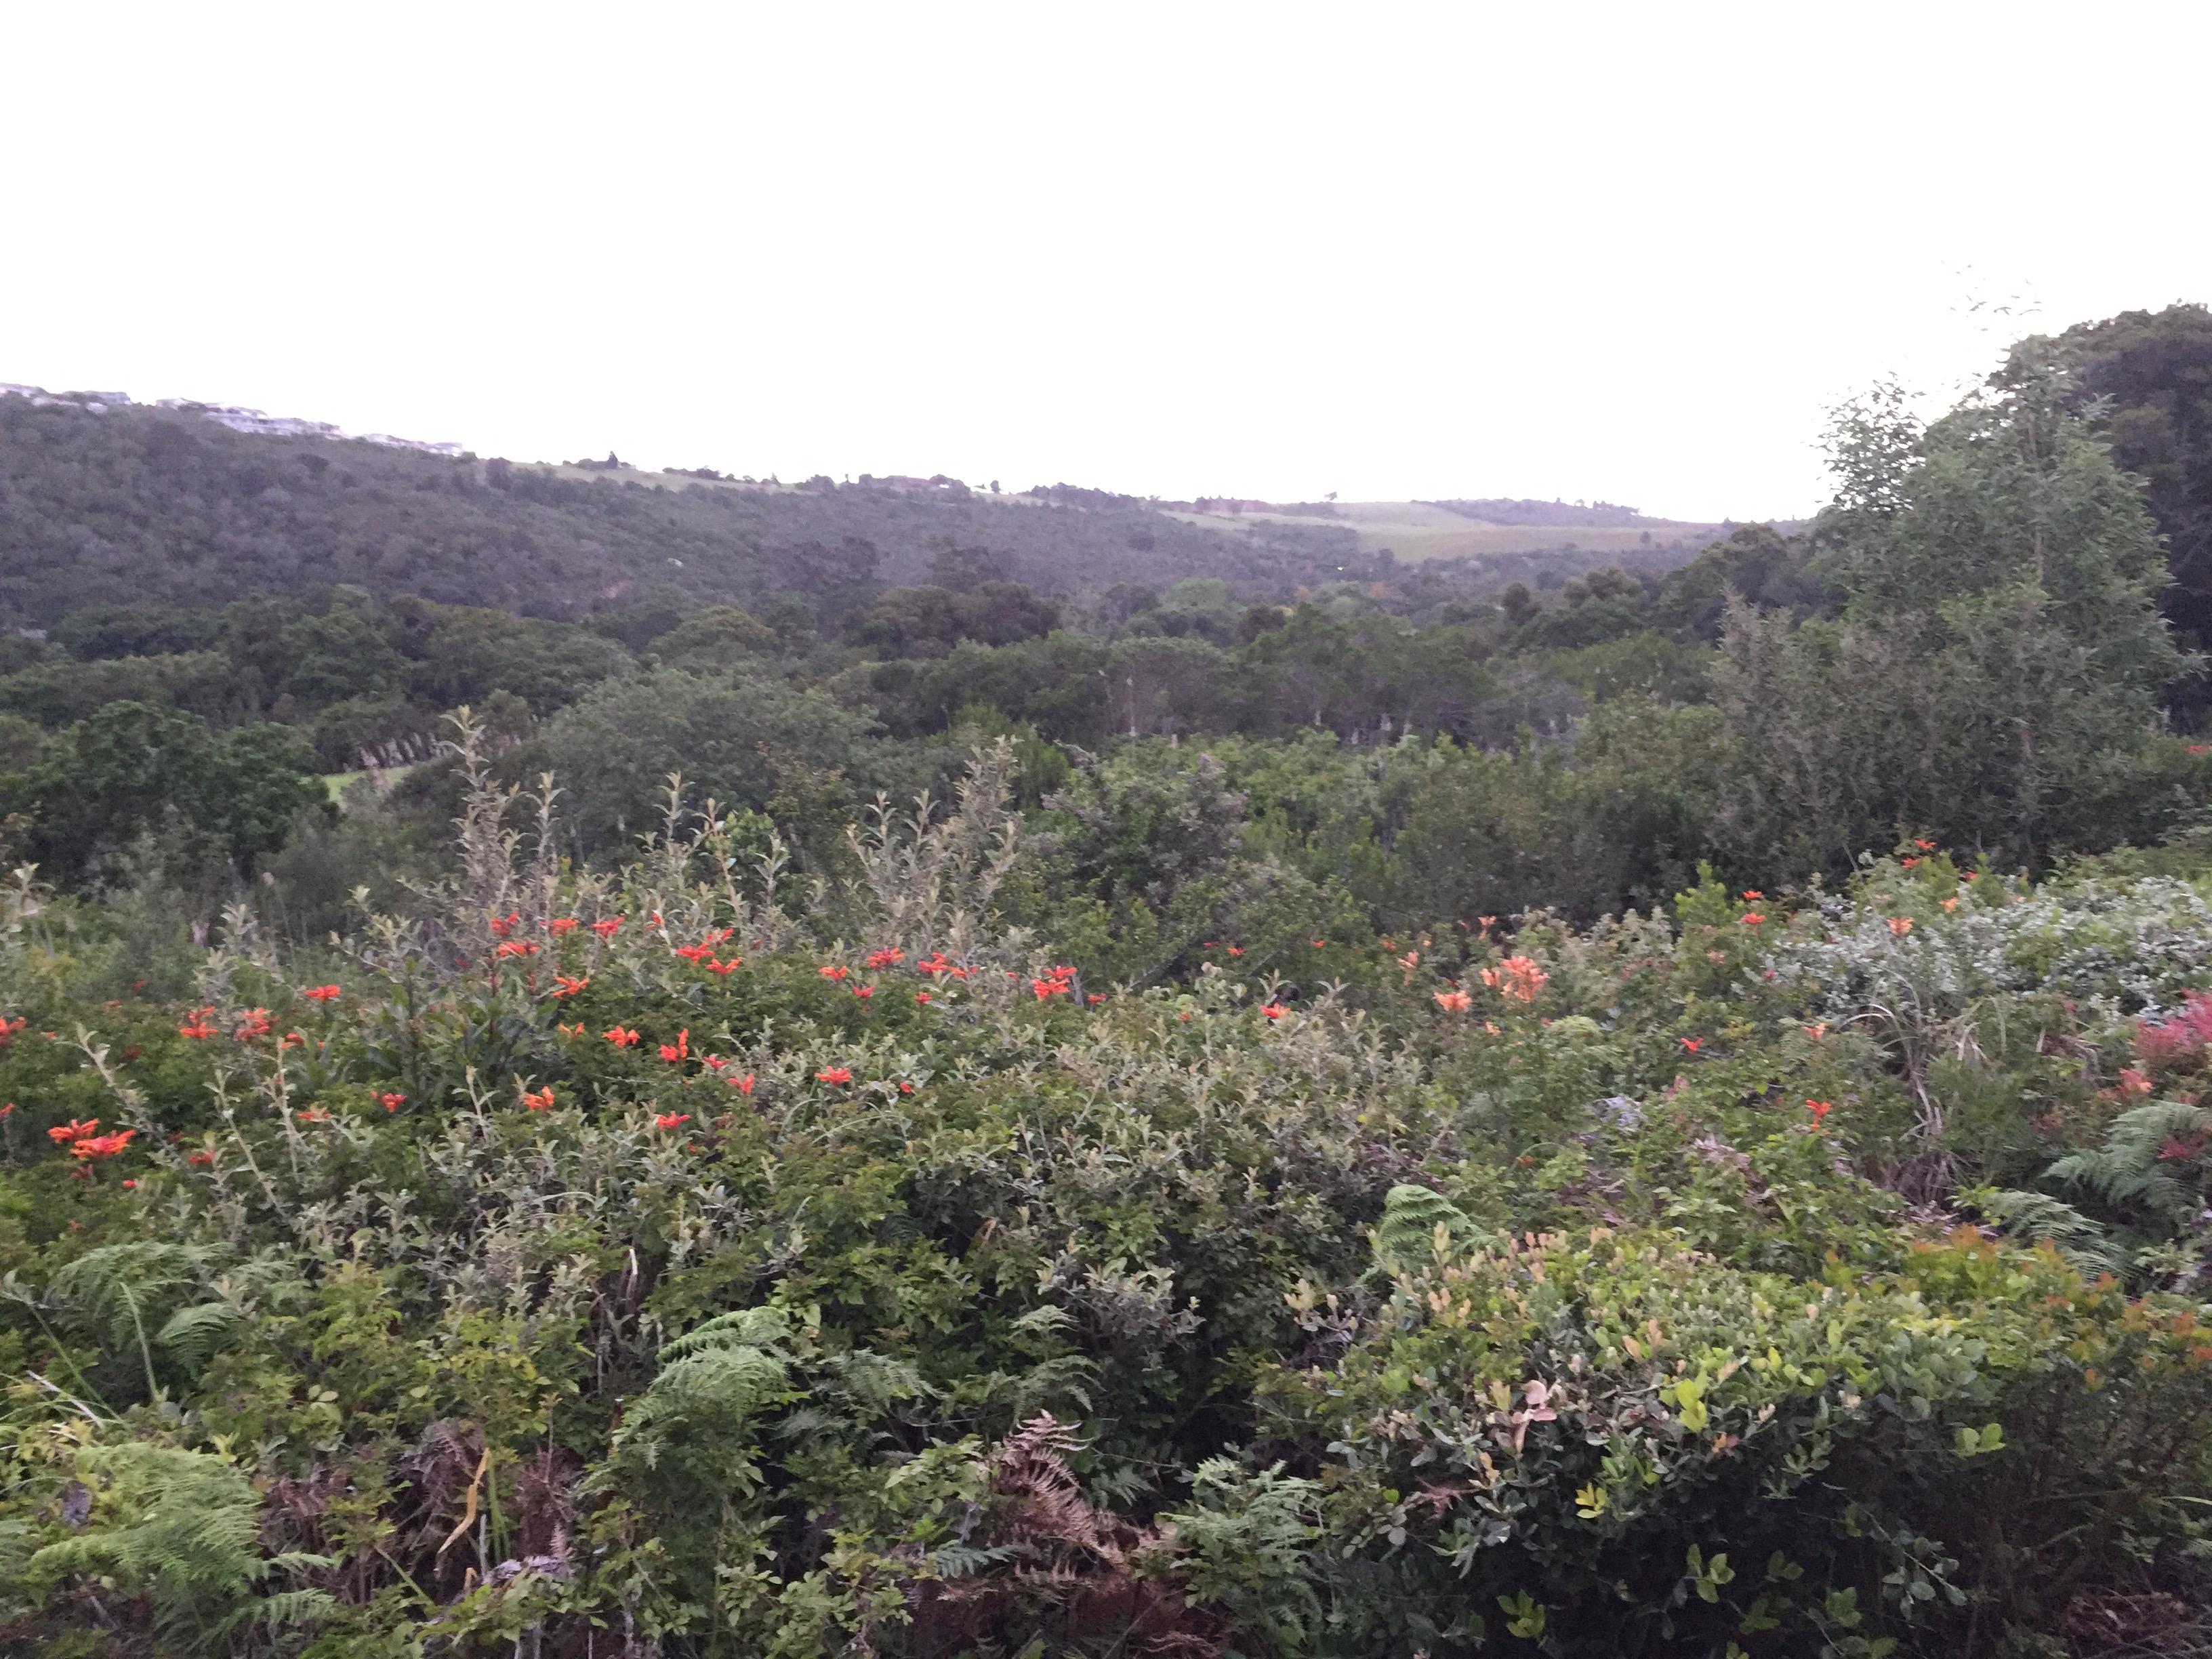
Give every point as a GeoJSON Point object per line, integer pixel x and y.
{"type": "Point", "coordinates": [1994, 676]}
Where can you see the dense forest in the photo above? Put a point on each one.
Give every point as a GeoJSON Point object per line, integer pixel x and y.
{"type": "Point", "coordinates": [590, 1067]}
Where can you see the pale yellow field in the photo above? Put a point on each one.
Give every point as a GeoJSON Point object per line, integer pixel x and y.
{"type": "Point", "coordinates": [1415, 531]}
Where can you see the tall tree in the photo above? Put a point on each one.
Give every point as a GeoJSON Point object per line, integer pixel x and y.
{"type": "Point", "coordinates": [1995, 674]}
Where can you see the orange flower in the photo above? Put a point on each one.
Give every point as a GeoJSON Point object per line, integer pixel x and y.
{"type": "Point", "coordinates": [1900, 926]}
{"type": "Point", "coordinates": [321, 993]}
{"type": "Point", "coordinates": [885, 958]}
{"type": "Point", "coordinates": [561, 925]}
{"type": "Point", "coordinates": [743, 1084]}
{"type": "Point", "coordinates": [678, 1052]}
{"type": "Point", "coordinates": [1523, 978]}
{"type": "Point", "coordinates": [254, 1022]}
{"type": "Point", "coordinates": [1690, 1045]}
{"type": "Point", "coordinates": [577, 1030]}
{"type": "Point", "coordinates": [1753, 919]}
{"type": "Point", "coordinates": [10, 1027]}
{"type": "Point", "coordinates": [620, 1037]}
{"type": "Point", "coordinates": [864, 991]}
{"type": "Point", "coordinates": [1949, 904]}
{"type": "Point", "coordinates": [1274, 1011]}
{"type": "Point", "coordinates": [1924, 845]}
{"type": "Point", "coordinates": [1235, 950]}
{"type": "Point", "coordinates": [62, 1133]}
{"type": "Point", "coordinates": [605, 926]}
{"type": "Point", "coordinates": [391, 1103]}
{"type": "Point", "coordinates": [921, 996]}
{"type": "Point", "coordinates": [517, 948]}
{"type": "Point", "coordinates": [834, 1074]}
{"type": "Point", "coordinates": [540, 1100]}
{"type": "Point", "coordinates": [1816, 1032]}
{"type": "Point", "coordinates": [1454, 1002]}
{"type": "Point", "coordinates": [103, 1146]}
{"type": "Point", "coordinates": [1752, 893]}
{"type": "Point", "coordinates": [1819, 1109]}
{"type": "Point", "coordinates": [311, 1115]}
{"type": "Point", "coordinates": [671, 1120]}
{"type": "Point", "coordinates": [835, 973]}
{"type": "Point", "coordinates": [565, 985]}
{"type": "Point", "coordinates": [1320, 945]}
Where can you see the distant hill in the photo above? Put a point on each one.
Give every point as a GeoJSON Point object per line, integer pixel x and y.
{"type": "Point", "coordinates": [132, 503]}
{"type": "Point", "coordinates": [105, 501]}
{"type": "Point", "coordinates": [1499, 541]}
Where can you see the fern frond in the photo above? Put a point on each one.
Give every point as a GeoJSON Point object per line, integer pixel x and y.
{"type": "Point", "coordinates": [1409, 1234]}
{"type": "Point", "coordinates": [2035, 1218]}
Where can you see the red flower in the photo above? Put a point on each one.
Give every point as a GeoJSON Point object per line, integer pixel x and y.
{"type": "Point", "coordinates": [605, 926]}
{"type": "Point", "coordinates": [561, 925]}
{"type": "Point", "coordinates": [620, 1037]}
{"type": "Point", "coordinates": [200, 1157]}
{"type": "Point", "coordinates": [1320, 945]}
{"type": "Point", "coordinates": [885, 958]}
{"type": "Point", "coordinates": [501, 926]}
{"type": "Point", "coordinates": [311, 1115]}
{"type": "Point", "coordinates": [1235, 950]}
{"type": "Point", "coordinates": [1095, 998]}
{"type": "Point", "coordinates": [743, 1084]}
{"type": "Point", "coordinates": [835, 973]}
{"type": "Point", "coordinates": [62, 1133]}
{"type": "Point", "coordinates": [1690, 1045]}
{"type": "Point", "coordinates": [678, 1052]}
{"type": "Point", "coordinates": [196, 1026]}
{"type": "Point", "coordinates": [564, 986]}
{"type": "Point", "coordinates": [1752, 918]}
{"type": "Point", "coordinates": [8, 1028]}
{"type": "Point", "coordinates": [864, 991]}
{"type": "Point", "coordinates": [518, 947]}
{"type": "Point", "coordinates": [1819, 1109]}
{"type": "Point", "coordinates": [321, 993]}
{"type": "Point", "coordinates": [1900, 926]}
{"type": "Point", "coordinates": [834, 1074]}
{"type": "Point", "coordinates": [391, 1103]}
{"type": "Point", "coordinates": [7, 1111]}
{"type": "Point", "coordinates": [1924, 845]}
{"type": "Point", "coordinates": [1274, 1011]}
{"type": "Point", "coordinates": [921, 996]}
{"type": "Point", "coordinates": [1454, 1002]}
{"type": "Point", "coordinates": [540, 1100]}
{"type": "Point", "coordinates": [725, 968]}
{"type": "Point", "coordinates": [671, 1120]}
{"type": "Point", "coordinates": [906, 1088]}
{"type": "Point", "coordinates": [1752, 893]}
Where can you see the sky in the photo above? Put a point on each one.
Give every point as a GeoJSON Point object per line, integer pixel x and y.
{"type": "Point", "coordinates": [1629, 254]}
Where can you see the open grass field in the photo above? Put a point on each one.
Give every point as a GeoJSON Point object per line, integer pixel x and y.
{"type": "Point", "coordinates": [1417, 532]}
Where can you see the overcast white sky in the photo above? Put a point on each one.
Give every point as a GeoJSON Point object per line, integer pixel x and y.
{"type": "Point", "coordinates": [1399, 251]}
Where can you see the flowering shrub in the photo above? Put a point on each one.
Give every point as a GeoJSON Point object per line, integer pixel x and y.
{"type": "Point", "coordinates": [1530, 1285]}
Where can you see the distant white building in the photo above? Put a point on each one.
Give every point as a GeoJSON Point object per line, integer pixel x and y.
{"type": "Point", "coordinates": [236, 416]}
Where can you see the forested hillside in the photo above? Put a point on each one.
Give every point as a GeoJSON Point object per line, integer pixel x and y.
{"type": "Point", "coordinates": [942, 1110]}
{"type": "Point", "coordinates": [142, 504]}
